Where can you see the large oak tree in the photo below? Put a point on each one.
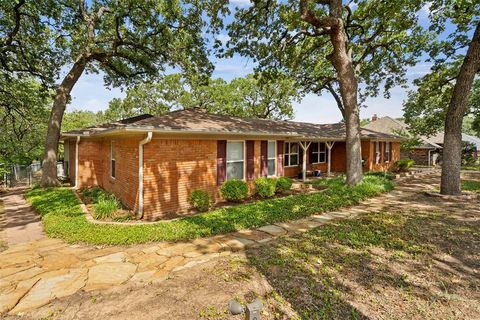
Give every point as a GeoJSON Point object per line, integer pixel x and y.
{"type": "Point", "coordinates": [348, 50]}
{"type": "Point", "coordinates": [445, 93]}
{"type": "Point", "coordinates": [129, 41]}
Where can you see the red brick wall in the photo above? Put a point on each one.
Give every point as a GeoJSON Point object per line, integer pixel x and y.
{"type": "Point", "coordinates": [173, 168]}
{"type": "Point", "coordinates": [94, 167]}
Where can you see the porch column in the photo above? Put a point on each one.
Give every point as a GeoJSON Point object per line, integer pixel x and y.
{"type": "Point", "coordinates": [329, 145]}
{"type": "Point", "coordinates": [304, 145]}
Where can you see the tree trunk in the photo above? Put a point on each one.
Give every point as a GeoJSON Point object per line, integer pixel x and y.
{"type": "Point", "coordinates": [342, 61]}
{"type": "Point", "coordinates": [49, 166]}
{"type": "Point", "coordinates": [452, 144]}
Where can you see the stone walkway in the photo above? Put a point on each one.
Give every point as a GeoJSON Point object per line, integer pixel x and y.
{"type": "Point", "coordinates": [36, 272]}
{"type": "Point", "coordinates": [20, 222]}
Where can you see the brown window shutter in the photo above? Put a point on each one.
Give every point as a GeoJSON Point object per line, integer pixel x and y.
{"type": "Point", "coordinates": [264, 158]}
{"type": "Point", "coordinates": [221, 161]}
{"type": "Point", "coordinates": [250, 159]}
{"type": "Point", "coordinates": [310, 153]}
{"type": "Point", "coordinates": [280, 158]}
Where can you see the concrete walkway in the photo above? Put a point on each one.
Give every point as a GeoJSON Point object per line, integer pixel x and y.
{"type": "Point", "coordinates": [20, 222]}
{"type": "Point", "coordinates": [34, 273]}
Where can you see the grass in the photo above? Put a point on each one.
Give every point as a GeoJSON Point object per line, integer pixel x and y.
{"type": "Point", "coordinates": [63, 218]}
{"type": "Point", "coordinates": [105, 204]}
{"type": "Point", "coordinates": [382, 260]}
{"type": "Point", "coordinates": [471, 185]}
{"type": "Point", "coordinates": [473, 167]}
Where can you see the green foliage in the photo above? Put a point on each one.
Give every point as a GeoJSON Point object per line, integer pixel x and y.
{"type": "Point", "coordinates": [79, 119]}
{"type": "Point", "coordinates": [471, 185]}
{"type": "Point", "coordinates": [105, 204]}
{"type": "Point", "coordinates": [387, 175]}
{"type": "Point", "coordinates": [404, 165]}
{"type": "Point", "coordinates": [284, 184]}
{"type": "Point", "coordinates": [258, 97]}
{"type": "Point", "coordinates": [200, 200]}
{"type": "Point", "coordinates": [265, 187]}
{"type": "Point", "coordinates": [468, 152]}
{"type": "Point", "coordinates": [105, 208]}
{"type": "Point", "coordinates": [63, 217]}
{"type": "Point", "coordinates": [24, 114]}
{"type": "Point", "coordinates": [274, 34]}
{"type": "Point", "coordinates": [234, 190]}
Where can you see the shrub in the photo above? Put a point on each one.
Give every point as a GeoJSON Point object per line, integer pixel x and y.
{"type": "Point", "coordinates": [200, 200]}
{"type": "Point", "coordinates": [404, 164]}
{"type": "Point", "coordinates": [105, 207]}
{"type": "Point", "coordinates": [386, 175]}
{"type": "Point", "coordinates": [234, 190]}
{"type": "Point", "coordinates": [284, 184]}
{"type": "Point", "coordinates": [265, 187]}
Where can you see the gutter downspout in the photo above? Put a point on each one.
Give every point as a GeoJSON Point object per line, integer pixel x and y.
{"type": "Point", "coordinates": [76, 161]}
{"type": "Point", "coordinates": [147, 139]}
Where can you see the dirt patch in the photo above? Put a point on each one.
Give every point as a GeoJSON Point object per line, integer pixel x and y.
{"type": "Point", "coordinates": [199, 293]}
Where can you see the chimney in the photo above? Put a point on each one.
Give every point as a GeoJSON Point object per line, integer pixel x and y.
{"type": "Point", "coordinates": [374, 118]}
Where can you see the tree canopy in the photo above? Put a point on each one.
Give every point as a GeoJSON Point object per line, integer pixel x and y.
{"type": "Point", "coordinates": [250, 96]}
{"type": "Point", "coordinates": [129, 41]}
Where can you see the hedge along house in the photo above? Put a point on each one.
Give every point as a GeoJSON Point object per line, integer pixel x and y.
{"type": "Point", "coordinates": [153, 163]}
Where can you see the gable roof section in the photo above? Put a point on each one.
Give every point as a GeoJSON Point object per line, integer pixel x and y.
{"type": "Point", "coordinates": [391, 125]}
{"type": "Point", "coordinates": [193, 121]}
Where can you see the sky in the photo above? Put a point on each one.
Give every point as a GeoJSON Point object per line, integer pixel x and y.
{"type": "Point", "coordinates": [90, 94]}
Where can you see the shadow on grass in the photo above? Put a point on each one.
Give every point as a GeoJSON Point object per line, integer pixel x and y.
{"type": "Point", "coordinates": [380, 266]}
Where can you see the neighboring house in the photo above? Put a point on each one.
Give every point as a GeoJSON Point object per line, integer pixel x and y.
{"type": "Point", "coordinates": [438, 138]}
{"type": "Point", "coordinates": [426, 153]}
{"type": "Point", "coordinates": [153, 163]}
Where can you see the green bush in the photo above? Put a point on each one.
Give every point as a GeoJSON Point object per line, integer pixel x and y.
{"type": "Point", "coordinates": [200, 200]}
{"type": "Point", "coordinates": [234, 190]}
{"type": "Point", "coordinates": [104, 203]}
{"type": "Point", "coordinates": [105, 207]}
{"type": "Point", "coordinates": [284, 184]}
{"type": "Point", "coordinates": [265, 187]}
{"type": "Point", "coordinates": [404, 164]}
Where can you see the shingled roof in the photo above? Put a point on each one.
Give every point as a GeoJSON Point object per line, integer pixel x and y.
{"type": "Point", "coordinates": [196, 121]}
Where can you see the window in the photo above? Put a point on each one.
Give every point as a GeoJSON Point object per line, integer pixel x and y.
{"type": "Point", "coordinates": [112, 159]}
{"type": "Point", "coordinates": [319, 152]}
{"type": "Point", "coordinates": [271, 157]}
{"type": "Point", "coordinates": [386, 152]}
{"type": "Point", "coordinates": [377, 152]}
{"type": "Point", "coordinates": [291, 154]}
{"type": "Point", "coordinates": [235, 160]}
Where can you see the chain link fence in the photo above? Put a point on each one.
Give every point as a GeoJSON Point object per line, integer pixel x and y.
{"type": "Point", "coordinates": [24, 175]}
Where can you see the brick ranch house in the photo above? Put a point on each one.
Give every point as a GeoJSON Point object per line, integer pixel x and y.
{"type": "Point", "coordinates": [152, 163]}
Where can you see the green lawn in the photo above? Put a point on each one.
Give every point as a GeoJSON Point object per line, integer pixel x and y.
{"type": "Point", "coordinates": [471, 185]}
{"type": "Point", "coordinates": [473, 167]}
{"type": "Point", "coordinates": [63, 218]}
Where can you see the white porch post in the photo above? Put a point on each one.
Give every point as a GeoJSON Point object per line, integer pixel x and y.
{"type": "Point", "coordinates": [304, 145]}
{"type": "Point", "coordinates": [329, 145]}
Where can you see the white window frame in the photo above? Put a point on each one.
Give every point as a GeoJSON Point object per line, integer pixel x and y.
{"type": "Point", "coordinates": [274, 157]}
{"type": "Point", "coordinates": [113, 175]}
{"type": "Point", "coordinates": [387, 152]}
{"type": "Point", "coordinates": [318, 152]}
{"type": "Point", "coordinates": [290, 153]}
{"type": "Point", "coordinates": [377, 152]}
{"type": "Point", "coordinates": [232, 161]}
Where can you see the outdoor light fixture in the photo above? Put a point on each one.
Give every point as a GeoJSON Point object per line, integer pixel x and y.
{"type": "Point", "coordinates": [252, 310]}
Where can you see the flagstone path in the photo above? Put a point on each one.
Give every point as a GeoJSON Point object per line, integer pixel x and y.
{"type": "Point", "coordinates": [35, 272]}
